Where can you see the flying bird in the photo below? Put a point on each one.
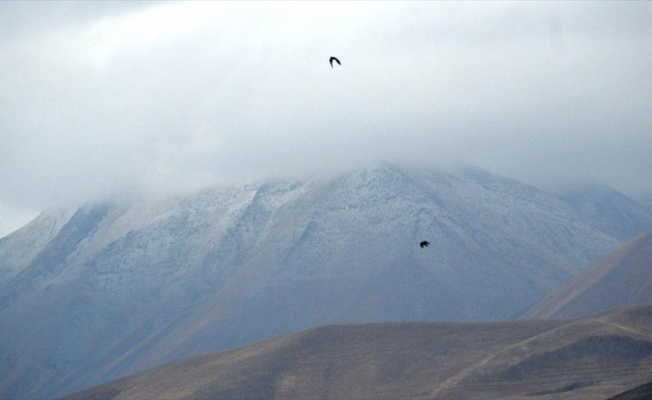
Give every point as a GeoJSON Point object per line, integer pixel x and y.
{"type": "Point", "coordinates": [425, 243]}
{"type": "Point", "coordinates": [334, 59]}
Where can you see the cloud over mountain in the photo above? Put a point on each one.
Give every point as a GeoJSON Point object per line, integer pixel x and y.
{"type": "Point", "coordinates": [125, 98]}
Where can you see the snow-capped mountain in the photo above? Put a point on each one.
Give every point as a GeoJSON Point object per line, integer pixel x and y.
{"type": "Point", "coordinates": [110, 289]}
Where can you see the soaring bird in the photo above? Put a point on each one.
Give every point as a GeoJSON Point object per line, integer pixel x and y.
{"type": "Point", "coordinates": [423, 244]}
{"type": "Point", "coordinates": [334, 59]}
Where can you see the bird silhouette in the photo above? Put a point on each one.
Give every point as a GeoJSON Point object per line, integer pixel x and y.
{"type": "Point", "coordinates": [423, 244]}
{"type": "Point", "coordinates": [334, 59]}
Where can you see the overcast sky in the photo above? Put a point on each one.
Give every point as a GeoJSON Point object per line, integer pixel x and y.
{"type": "Point", "coordinates": [106, 98]}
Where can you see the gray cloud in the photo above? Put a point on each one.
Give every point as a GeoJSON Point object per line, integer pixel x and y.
{"type": "Point", "coordinates": [106, 98]}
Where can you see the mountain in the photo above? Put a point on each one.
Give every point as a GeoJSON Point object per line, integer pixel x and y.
{"type": "Point", "coordinates": [589, 358]}
{"type": "Point", "coordinates": [645, 199]}
{"type": "Point", "coordinates": [622, 277]}
{"type": "Point", "coordinates": [610, 210]}
{"type": "Point", "coordinates": [98, 292]}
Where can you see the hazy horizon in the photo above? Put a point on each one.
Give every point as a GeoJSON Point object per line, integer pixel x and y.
{"type": "Point", "coordinates": [100, 98]}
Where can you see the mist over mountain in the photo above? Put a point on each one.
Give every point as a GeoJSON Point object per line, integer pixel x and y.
{"type": "Point", "coordinates": [138, 113]}
{"type": "Point", "coordinates": [149, 96]}
{"type": "Point", "coordinates": [91, 294]}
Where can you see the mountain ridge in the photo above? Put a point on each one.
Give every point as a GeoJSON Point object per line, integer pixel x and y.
{"type": "Point", "coordinates": [621, 277]}
{"type": "Point", "coordinates": [596, 203]}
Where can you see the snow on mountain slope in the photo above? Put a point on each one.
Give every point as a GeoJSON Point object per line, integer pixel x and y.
{"type": "Point", "coordinates": [19, 248]}
{"type": "Point", "coordinates": [609, 210]}
{"type": "Point", "coordinates": [118, 288]}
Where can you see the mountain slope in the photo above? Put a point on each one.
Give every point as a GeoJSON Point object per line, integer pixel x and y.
{"type": "Point", "coordinates": [643, 392]}
{"type": "Point", "coordinates": [119, 288]}
{"type": "Point", "coordinates": [622, 277]}
{"type": "Point", "coordinates": [588, 358]}
{"type": "Point", "coordinates": [19, 249]}
{"type": "Point", "coordinates": [610, 210]}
